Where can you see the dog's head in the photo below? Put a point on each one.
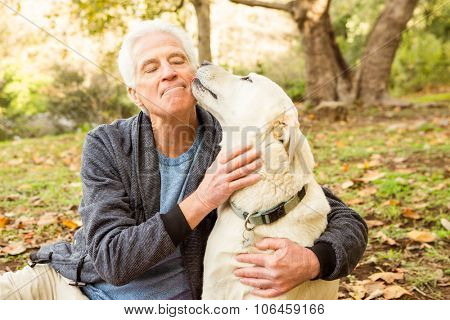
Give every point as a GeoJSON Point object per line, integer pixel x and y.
{"type": "Point", "coordinates": [255, 109]}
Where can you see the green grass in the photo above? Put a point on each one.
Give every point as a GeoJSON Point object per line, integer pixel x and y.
{"type": "Point", "coordinates": [410, 148]}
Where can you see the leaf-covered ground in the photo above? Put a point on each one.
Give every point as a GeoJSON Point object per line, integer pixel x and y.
{"type": "Point", "coordinates": [390, 165]}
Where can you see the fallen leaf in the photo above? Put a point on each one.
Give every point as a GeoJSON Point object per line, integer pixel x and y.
{"type": "Point", "coordinates": [374, 223]}
{"type": "Point", "coordinates": [36, 201]}
{"type": "Point", "coordinates": [367, 191]}
{"type": "Point", "coordinates": [375, 294]}
{"type": "Point", "coordinates": [388, 277]}
{"type": "Point", "coordinates": [410, 214]}
{"type": "Point", "coordinates": [357, 292]}
{"type": "Point", "coordinates": [340, 144]}
{"type": "Point", "coordinates": [421, 236]}
{"type": "Point", "coordinates": [394, 292]}
{"type": "Point", "coordinates": [345, 167]}
{"type": "Point", "coordinates": [391, 202]}
{"type": "Point", "coordinates": [12, 197]}
{"type": "Point", "coordinates": [15, 162]}
{"type": "Point", "coordinates": [386, 239]}
{"type": "Point", "coordinates": [371, 176]}
{"type": "Point", "coordinates": [347, 184]}
{"type": "Point", "coordinates": [37, 159]}
{"type": "Point", "coordinates": [70, 224]}
{"type": "Point", "coordinates": [3, 221]}
{"type": "Point", "coordinates": [48, 218]}
{"type": "Point", "coordinates": [399, 159]}
{"type": "Point", "coordinates": [24, 187]}
{"type": "Point", "coordinates": [446, 224]}
{"type": "Point", "coordinates": [355, 201]}
{"type": "Point", "coordinates": [14, 248]}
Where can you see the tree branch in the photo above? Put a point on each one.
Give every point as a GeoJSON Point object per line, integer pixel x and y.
{"type": "Point", "coordinates": [271, 5]}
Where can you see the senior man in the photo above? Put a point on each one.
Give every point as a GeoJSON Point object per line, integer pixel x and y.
{"type": "Point", "coordinates": [151, 184]}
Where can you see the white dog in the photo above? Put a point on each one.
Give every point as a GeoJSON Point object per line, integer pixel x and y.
{"type": "Point", "coordinates": [256, 108]}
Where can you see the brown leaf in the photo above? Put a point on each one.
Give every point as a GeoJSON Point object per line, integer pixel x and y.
{"type": "Point", "coordinates": [371, 176]}
{"type": "Point", "coordinates": [37, 159]}
{"type": "Point", "coordinates": [15, 162]}
{"type": "Point", "coordinates": [374, 223]}
{"type": "Point", "coordinates": [421, 236]}
{"type": "Point", "coordinates": [367, 191]}
{"type": "Point", "coordinates": [12, 197]}
{"type": "Point", "coordinates": [388, 277]}
{"type": "Point", "coordinates": [347, 184]}
{"type": "Point", "coordinates": [70, 224]}
{"type": "Point", "coordinates": [391, 202]}
{"type": "Point", "coordinates": [3, 221]}
{"type": "Point", "coordinates": [394, 292]}
{"type": "Point", "coordinates": [355, 201]}
{"type": "Point", "coordinates": [410, 214]}
{"type": "Point", "coordinates": [345, 167]}
{"type": "Point", "coordinates": [14, 248]}
{"type": "Point", "coordinates": [386, 239]}
{"type": "Point", "coordinates": [357, 291]}
{"type": "Point", "coordinates": [375, 294]}
{"type": "Point", "coordinates": [446, 224]}
{"type": "Point", "coordinates": [48, 218]}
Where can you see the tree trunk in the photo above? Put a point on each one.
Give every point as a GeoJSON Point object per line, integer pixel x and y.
{"type": "Point", "coordinates": [328, 77]}
{"type": "Point", "coordinates": [379, 52]}
{"type": "Point", "coordinates": [204, 29]}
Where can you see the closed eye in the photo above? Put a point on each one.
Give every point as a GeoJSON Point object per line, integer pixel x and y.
{"type": "Point", "coordinates": [247, 79]}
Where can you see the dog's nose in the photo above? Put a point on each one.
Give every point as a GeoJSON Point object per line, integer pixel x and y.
{"type": "Point", "coordinates": [205, 63]}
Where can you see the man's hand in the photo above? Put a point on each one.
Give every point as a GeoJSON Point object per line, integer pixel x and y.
{"type": "Point", "coordinates": [274, 274]}
{"type": "Point", "coordinates": [230, 171]}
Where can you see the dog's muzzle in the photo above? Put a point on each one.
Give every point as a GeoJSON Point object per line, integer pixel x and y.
{"type": "Point", "coordinates": [198, 85]}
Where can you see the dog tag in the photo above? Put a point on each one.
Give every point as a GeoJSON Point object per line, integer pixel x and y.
{"type": "Point", "coordinates": [248, 238]}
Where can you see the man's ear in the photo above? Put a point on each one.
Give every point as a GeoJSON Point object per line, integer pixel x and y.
{"type": "Point", "coordinates": [135, 98]}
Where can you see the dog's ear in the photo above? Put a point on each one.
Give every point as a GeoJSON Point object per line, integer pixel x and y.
{"type": "Point", "coordinates": [288, 131]}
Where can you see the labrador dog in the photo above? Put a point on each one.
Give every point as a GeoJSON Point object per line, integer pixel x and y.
{"type": "Point", "coordinates": [256, 109]}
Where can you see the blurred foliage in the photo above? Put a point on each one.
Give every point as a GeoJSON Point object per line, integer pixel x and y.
{"type": "Point", "coordinates": [101, 15]}
{"type": "Point", "coordinates": [97, 99]}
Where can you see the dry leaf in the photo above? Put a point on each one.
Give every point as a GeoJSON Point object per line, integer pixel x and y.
{"type": "Point", "coordinates": [15, 162]}
{"type": "Point", "coordinates": [367, 191]}
{"type": "Point", "coordinates": [375, 294]}
{"type": "Point", "coordinates": [389, 277]}
{"type": "Point", "coordinates": [391, 202]}
{"type": "Point", "coordinates": [12, 197]}
{"type": "Point", "coordinates": [340, 144]}
{"type": "Point", "coordinates": [357, 292]}
{"type": "Point", "coordinates": [394, 292]}
{"type": "Point", "coordinates": [3, 221]}
{"type": "Point", "coordinates": [14, 248]}
{"type": "Point", "coordinates": [70, 224]}
{"type": "Point", "coordinates": [371, 176]}
{"type": "Point", "coordinates": [48, 218]}
{"type": "Point", "coordinates": [410, 214]}
{"type": "Point", "coordinates": [421, 236]}
{"type": "Point", "coordinates": [355, 201]}
{"type": "Point", "coordinates": [446, 224]}
{"type": "Point", "coordinates": [386, 239]}
{"type": "Point", "coordinates": [345, 167]}
{"type": "Point", "coordinates": [347, 184]}
{"type": "Point", "coordinates": [374, 223]}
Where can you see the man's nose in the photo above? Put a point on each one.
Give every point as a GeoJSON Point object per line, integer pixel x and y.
{"type": "Point", "coordinates": [168, 72]}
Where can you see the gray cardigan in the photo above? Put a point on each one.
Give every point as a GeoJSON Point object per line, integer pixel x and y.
{"type": "Point", "coordinates": [124, 235]}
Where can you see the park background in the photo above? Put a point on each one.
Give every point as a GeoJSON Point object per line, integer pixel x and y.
{"type": "Point", "coordinates": [370, 79]}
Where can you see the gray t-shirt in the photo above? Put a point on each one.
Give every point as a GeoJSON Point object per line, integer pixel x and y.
{"type": "Point", "coordinates": [167, 279]}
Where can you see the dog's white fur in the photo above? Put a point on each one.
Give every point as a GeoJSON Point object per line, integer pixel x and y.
{"type": "Point", "coordinates": [259, 110]}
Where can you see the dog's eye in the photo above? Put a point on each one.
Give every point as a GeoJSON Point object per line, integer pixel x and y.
{"type": "Point", "coordinates": [246, 79]}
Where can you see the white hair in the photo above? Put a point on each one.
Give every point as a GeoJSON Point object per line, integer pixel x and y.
{"type": "Point", "coordinates": [126, 61]}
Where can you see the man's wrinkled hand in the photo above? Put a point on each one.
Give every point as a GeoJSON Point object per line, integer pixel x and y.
{"type": "Point", "coordinates": [276, 273]}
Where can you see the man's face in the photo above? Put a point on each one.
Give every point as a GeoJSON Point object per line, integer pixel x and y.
{"type": "Point", "coordinates": [163, 75]}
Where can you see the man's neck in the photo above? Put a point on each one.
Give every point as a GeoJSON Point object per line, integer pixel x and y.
{"type": "Point", "coordinates": [176, 134]}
